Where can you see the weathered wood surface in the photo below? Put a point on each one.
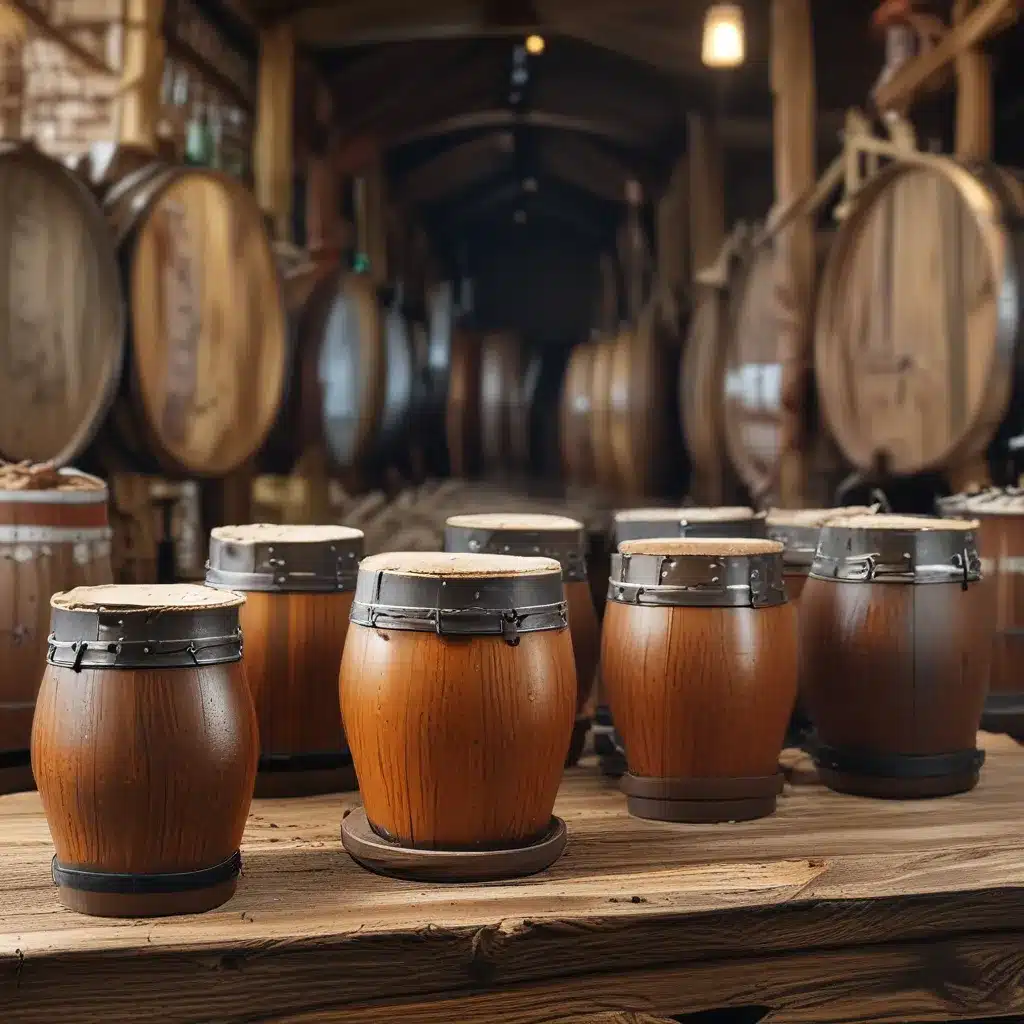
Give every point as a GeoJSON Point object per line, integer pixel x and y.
{"type": "Point", "coordinates": [835, 909]}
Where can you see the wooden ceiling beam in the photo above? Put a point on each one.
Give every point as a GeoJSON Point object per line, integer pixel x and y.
{"type": "Point", "coordinates": [456, 168]}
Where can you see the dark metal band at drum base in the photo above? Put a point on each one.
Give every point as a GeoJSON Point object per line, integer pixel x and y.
{"type": "Point", "coordinates": [284, 567]}
{"type": "Point", "coordinates": [145, 885]}
{"type": "Point", "coordinates": [567, 547]}
{"type": "Point", "coordinates": [320, 761]}
{"type": "Point", "coordinates": [899, 766]}
{"type": "Point", "coordinates": [651, 529]}
{"type": "Point", "coordinates": [697, 581]}
{"type": "Point", "coordinates": [800, 544]}
{"type": "Point", "coordinates": [144, 638]}
{"type": "Point", "coordinates": [15, 759]}
{"type": "Point", "coordinates": [1004, 712]}
{"type": "Point", "coordinates": [459, 606]}
{"type": "Point", "coordinates": [851, 555]}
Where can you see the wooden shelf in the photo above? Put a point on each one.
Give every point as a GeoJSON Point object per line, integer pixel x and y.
{"type": "Point", "coordinates": [836, 908]}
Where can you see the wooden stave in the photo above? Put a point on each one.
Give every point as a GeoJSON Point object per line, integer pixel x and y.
{"type": "Point", "coordinates": [127, 204]}
{"type": "Point", "coordinates": [25, 588]}
{"type": "Point", "coordinates": [575, 427]}
{"type": "Point", "coordinates": [504, 416]}
{"type": "Point", "coordinates": [605, 467]}
{"type": "Point", "coordinates": [995, 197]}
{"type": "Point", "coordinates": [105, 396]}
{"type": "Point", "coordinates": [462, 405]}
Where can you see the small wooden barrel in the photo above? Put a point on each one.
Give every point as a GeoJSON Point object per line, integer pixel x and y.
{"type": "Point", "coordinates": [565, 541]}
{"type": "Point", "coordinates": [61, 310]}
{"type": "Point", "coordinates": [699, 658]}
{"type": "Point", "coordinates": [458, 693]}
{"type": "Point", "coordinates": [298, 582]}
{"type": "Point", "coordinates": [645, 523]}
{"type": "Point", "coordinates": [208, 338]}
{"type": "Point", "coordinates": [895, 646]}
{"type": "Point", "coordinates": [144, 747]}
{"type": "Point", "coordinates": [54, 535]}
{"type": "Point", "coordinates": [1000, 517]}
{"type": "Point", "coordinates": [798, 531]}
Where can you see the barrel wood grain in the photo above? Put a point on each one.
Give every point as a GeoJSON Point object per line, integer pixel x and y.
{"type": "Point", "coordinates": [208, 336]}
{"type": "Point", "coordinates": [458, 742]}
{"type": "Point", "coordinates": [462, 410]}
{"type": "Point", "coordinates": [61, 310]}
{"type": "Point", "coordinates": [911, 363]}
{"type": "Point", "coordinates": [576, 412]}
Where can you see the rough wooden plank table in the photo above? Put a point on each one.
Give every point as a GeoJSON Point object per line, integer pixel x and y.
{"type": "Point", "coordinates": [835, 909]}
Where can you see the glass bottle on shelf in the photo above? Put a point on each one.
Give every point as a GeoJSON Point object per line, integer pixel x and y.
{"type": "Point", "coordinates": [199, 139]}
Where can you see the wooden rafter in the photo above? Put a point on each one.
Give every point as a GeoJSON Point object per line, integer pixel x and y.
{"type": "Point", "coordinates": [42, 24]}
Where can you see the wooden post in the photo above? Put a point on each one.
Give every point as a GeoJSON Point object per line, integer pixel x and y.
{"type": "Point", "coordinates": [274, 134]}
{"type": "Point", "coordinates": [973, 143]}
{"type": "Point", "coordinates": [793, 86]}
{"type": "Point", "coordinates": [141, 74]}
{"type": "Point", "coordinates": [706, 205]}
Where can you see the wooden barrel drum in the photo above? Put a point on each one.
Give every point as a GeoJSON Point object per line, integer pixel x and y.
{"type": "Point", "coordinates": [144, 747]}
{"type": "Point", "coordinates": [458, 693]}
{"type": "Point", "coordinates": [208, 338]}
{"type": "Point", "coordinates": [699, 658]}
{"type": "Point", "coordinates": [61, 310]}
{"type": "Point", "coordinates": [298, 582]}
{"type": "Point", "coordinates": [895, 646]}
{"type": "Point", "coordinates": [645, 523]}
{"type": "Point", "coordinates": [54, 536]}
{"type": "Point", "coordinates": [1000, 517]}
{"type": "Point", "coordinates": [919, 316]}
{"type": "Point", "coordinates": [555, 537]}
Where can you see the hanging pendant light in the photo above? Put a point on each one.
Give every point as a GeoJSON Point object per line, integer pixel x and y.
{"type": "Point", "coordinates": [724, 40]}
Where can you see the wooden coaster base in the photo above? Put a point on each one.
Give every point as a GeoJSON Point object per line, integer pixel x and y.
{"type": "Point", "coordinates": [305, 783]}
{"type": "Point", "coordinates": [898, 789]}
{"type": "Point", "coordinates": [389, 858]}
{"type": "Point", "coordinates": [164, 904]}
{"type": "Point", "coordinates": [580, 730]}
{"type": "Point", "coordinates": [702, 801]}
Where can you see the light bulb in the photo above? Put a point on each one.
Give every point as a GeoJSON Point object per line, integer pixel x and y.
{"type": "Point", "coordinates": [724, 43]}
{"type": "Point", "coordinates": [535, 45]}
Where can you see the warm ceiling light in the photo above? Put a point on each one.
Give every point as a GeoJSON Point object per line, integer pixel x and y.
{"type": "Point", "coordinates": [724, 43]}
{"type": "Point", "coordinates": [535, 45]}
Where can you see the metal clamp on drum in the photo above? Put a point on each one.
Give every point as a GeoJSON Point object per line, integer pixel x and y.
{"type": "Point", "coordinates": [650, 523]}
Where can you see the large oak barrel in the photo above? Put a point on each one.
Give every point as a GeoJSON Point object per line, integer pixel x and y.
{"type": "Point", "coordinates": [208, 340]}
{"type": "Point", "coordinates": [919, 315]}
{"type": "Point", "coordinates": [576, 426]}
{"type": "Point", "coordinates": [895, 647]}
{"type": "Point", "coordinates": [1000, 517]}
{"type": "Point", "coordinates": [606, 470]}
{"type": "Point", "coordinates": [54, 535]}
{"type": "Point", "coordinates": [144, 747]}
{"type": "Point", "coordinates": [458, 695]}
{"type": "Point", "coordinates": [545, 536]}
{"type": "Point", "coordinates": [298, 582]}
{"type": "Point", "coordinates": [61, 310]}
{"type": "Point", "coordinates": [462, 407]}
{"type": "Point", "coordinates": [504, 416]}
{"type": "Point", "coordinates": [699, 659]}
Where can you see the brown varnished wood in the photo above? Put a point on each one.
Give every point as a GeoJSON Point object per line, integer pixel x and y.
{"type": "Point", "coordinates": [605, 467]}
{"type": "Point", "coordinates": [907, 358]}
{"type": "Point", "coordinates": [894, 668]}
{"type": "Point", "coordinates": [293, 647]}
{"type": "Point", "coordinates": [576, 429]}
{"type": "Point", "coordinates": [458, 742]}
{"type": "Point", "coordinates": [208, 339]}
{"type": "Point", "coordinates": [30, 571]}
{"type": "Point", "coordinates": [700, 692]}
{"type": "Point", "coordinates": [145, 771]}
{"type": "Point", "coordinates": [795, 583]}
{"type": "Point", "coordinates": [462, 413]}
{"type": "Point", "coordinates": [61, 310]}
{"type": "Point", "coordinates": [504, 418]}
{"type": "Point", "coordinates": [586, 638]}
{"type": "Point", "coordinates": [843, 909]}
